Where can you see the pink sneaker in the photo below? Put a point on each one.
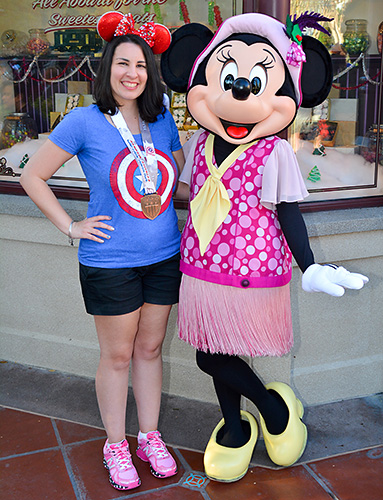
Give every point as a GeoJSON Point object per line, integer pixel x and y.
{"type": "Point", "coordinates": [154, 451]}
{"type": "Point", "coordinates": [118, 461]}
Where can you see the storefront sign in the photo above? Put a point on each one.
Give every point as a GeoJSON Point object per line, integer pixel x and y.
{"type": "Point", "coordinates": [54, 15]}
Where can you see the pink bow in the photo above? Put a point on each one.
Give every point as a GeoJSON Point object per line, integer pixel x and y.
{"type": "Point", "coordinates": [126, 27]}
{"type": "Point", "coordinates": [295, 55]}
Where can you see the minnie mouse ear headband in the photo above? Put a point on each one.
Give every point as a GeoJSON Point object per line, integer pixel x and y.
{"type": "Point", "coordinates": [286, 39]}
{"type": "Point", "coordinates": [114, 23]}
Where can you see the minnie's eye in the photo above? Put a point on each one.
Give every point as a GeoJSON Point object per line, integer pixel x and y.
{"type": "Point", "coordinates": [258, 79]}
{"type": "Point", "coordinates": [228, 75]}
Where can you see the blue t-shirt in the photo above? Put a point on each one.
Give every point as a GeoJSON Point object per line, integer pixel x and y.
{"type": "Point", "coordinates": [116, 188]}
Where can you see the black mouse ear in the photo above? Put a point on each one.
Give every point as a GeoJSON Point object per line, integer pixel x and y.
{"type": "Point", "coordinates": [177, 62]}
{"type": "Point", "coordinates": [316, 79]}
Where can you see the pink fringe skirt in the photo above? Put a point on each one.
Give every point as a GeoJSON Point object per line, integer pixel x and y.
{"type": "Point", "coordinates": [230, 320]}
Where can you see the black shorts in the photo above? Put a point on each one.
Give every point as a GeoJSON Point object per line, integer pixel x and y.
{"type": "Point", "coordinates": [111, 292]}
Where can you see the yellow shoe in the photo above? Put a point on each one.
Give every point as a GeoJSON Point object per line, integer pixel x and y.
{"type": "Point", "coordinates": [286, 448]}
{"type": "Point", "coordinates": [230, 464]}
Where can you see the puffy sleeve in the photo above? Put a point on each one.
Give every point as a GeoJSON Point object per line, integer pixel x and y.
{"type": "Point", "coordinates": [189, 150]}
{"type": "Point", "coordinates": [282, 178]}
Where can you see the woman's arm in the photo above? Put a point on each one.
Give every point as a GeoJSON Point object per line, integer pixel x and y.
{"type": "Point", "coordinates": [179, 158]}
{"type": "Point", "coordinates": [41, 166]}
{"type": "Point", "coordinates": [182, 190]}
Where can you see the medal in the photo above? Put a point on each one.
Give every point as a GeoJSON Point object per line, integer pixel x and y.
{"type": "Point", "coordinates": [151, 201]}
{"type": "Point", "coordinates": [151, 205]}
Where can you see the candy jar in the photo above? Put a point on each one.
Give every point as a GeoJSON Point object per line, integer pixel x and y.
{"type": "Point", "coordinates": [17, 127]}
{"type": "Point", "coordinates": [38, 43]}
{"type": "Point", "coordinates": [13, 43]}
{"type": "Point", "coordinates": [356, 38]}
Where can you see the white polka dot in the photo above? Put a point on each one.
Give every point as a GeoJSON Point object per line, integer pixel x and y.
{"type": "Point", "coordinates": [258, 181]}
{"type": "Point", "coordinates": [200, 179]}
{"type": "Point", "coordinates": [217, 258]}
{"type": "Point", "coordinates": [263, 256]}
{"type": "Point", "coordinates": [252, 201]}
{"type": "Point", "coordinates": [223, 249]}
{"type": "Point", "coordinates": [263, 222]}
{"type": "Point", "coordinates": [244, 270]}
{"type": "Point", "coordinates": [216, 239]}
{"type": "Point", "coordinates": [235, 184]}
{"type": "Point", "coordinates": [272, 264]}
{"type": "Point", "coordinates": [249, 186]}
{"type": "Point", "coordinates": [254, 264]}
{"type": "Point", "coordinates": [250, 250]}
{"type": "Point", "coordinates": [277, 243]}
{"type": "Point", "coordinates": [240, 242]}
{"type": "Point", "coordinates": [260, 243]}
{"type": "Point", "coordinates": [242, 207]}
{"type": "Point", "coordinates": [214, 268]}
{"type": "Point", "coordinates": [241, 254]}
{"type": "Point", "coordinates": [189, 243]}
{"type": "Point", "coordinates": [260, 232]}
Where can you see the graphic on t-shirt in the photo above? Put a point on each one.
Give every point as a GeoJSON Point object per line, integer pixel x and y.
{"type": "Point", "coordinates": [127, 185]}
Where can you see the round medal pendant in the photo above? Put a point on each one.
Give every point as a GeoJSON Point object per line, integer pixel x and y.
{"type": "Point", "coordinates": [151, 205]}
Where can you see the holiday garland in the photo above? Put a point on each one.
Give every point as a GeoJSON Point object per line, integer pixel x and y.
{"type": "Point", "coordinates": [184, 13]}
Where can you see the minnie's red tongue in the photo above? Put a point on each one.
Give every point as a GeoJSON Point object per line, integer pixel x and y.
{"type": "Point", "coordinates": [237, 132]}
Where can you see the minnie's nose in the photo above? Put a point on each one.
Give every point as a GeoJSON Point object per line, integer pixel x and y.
{"type": "Point", "coordinates": [241, 89]}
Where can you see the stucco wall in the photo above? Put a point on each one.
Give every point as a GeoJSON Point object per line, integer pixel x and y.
{"type": "Point", "coordinates": [338, 351]}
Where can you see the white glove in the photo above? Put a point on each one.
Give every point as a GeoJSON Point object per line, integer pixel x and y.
{"type": "Point", "coordinates": [331, 279]}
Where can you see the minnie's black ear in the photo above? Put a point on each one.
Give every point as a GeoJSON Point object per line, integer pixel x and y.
{"type": "Point", "coordinates": [177, 62]}
{"type": "Point", "coordinates": [316, 79]}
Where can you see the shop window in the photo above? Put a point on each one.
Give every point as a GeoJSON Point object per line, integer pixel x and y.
{"type": "Point", "coordinates": [339, 144]}
{"type": "Point", "coordinates": [45, 72]}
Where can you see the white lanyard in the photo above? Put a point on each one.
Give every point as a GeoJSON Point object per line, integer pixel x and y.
{"type": "Point", "coordinates": [148, 165]}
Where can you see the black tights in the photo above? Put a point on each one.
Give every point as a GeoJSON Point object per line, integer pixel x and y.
{"type": "Point", "coordinates": [232, 379]}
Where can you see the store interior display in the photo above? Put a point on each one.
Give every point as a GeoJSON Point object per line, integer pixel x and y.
{"type": "Point", "coordinates": [17, 127]}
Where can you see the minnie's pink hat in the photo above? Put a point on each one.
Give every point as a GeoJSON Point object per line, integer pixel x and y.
{"type": "Point", "coordinates": [256, 24]}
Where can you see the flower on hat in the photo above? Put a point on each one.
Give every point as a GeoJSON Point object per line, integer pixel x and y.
{"type": "Point", "coordinates": [294, 26]}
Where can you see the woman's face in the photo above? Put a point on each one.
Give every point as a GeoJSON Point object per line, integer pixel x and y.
{"type": "Point", "coordinates": [128, 73]}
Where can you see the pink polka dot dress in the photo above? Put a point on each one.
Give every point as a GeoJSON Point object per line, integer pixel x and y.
{"type": "Point", "coordinates": [235, 297]}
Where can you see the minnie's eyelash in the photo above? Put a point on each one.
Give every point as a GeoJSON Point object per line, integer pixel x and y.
{"type": "Point", "coordinates": [225, 56]}
{"type": "Point", "coordinates": [267, 63]}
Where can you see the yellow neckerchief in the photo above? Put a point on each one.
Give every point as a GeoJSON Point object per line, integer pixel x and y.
{"type": "Point", "coordinates": [212, 204]}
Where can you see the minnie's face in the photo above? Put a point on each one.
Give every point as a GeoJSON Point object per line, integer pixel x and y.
{"type": "Point", "coordinates": [239, 102]}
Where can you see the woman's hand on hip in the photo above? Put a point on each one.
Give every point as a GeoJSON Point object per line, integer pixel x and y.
{"type": "Point", "coordinates": [91, 229]}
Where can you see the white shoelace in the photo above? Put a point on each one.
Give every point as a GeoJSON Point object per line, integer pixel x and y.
{"type": "Point", "coordinates": [123, 458]}
{"type": "Point", "coordinates": [158, 446]}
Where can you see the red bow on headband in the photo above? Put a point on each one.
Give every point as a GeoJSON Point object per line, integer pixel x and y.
{"type": "Point", "coordinates": [112, 24]}
{"type": "Point", "coordinates": [126, 27]}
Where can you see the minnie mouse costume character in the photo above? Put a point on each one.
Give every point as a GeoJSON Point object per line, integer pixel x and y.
{"type": "Point", "coordinates": [244, 85]}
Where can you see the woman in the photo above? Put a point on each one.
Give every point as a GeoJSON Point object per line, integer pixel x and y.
{"type": "Point", "coordinates": [128, 253]}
